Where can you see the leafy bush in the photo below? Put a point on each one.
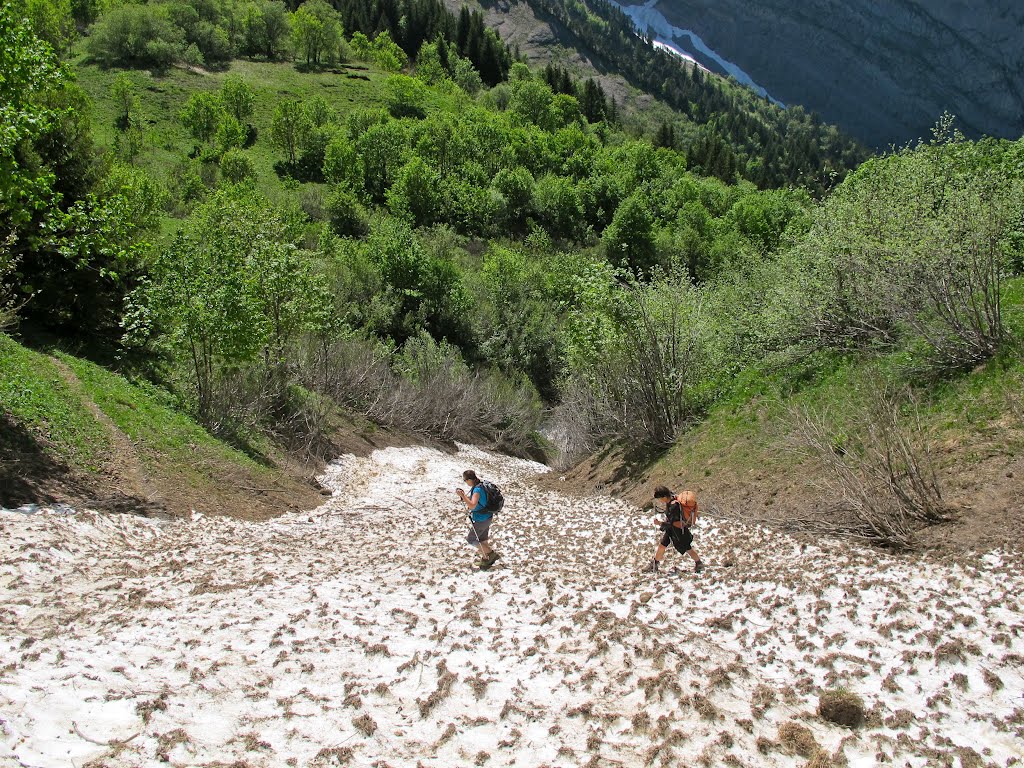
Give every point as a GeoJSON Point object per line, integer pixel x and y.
{"type": "Point", "coordinates": [914, 248]}
{"type": "Point", "coordinates": [237, 167]}
{"type": "Point", "coordinates": [136, 36]}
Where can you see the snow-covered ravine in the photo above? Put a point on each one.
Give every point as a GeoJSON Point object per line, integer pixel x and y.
{"type": "Point", "coordinates": [651, 21]}
{"type": "Point", "coordinates": [357, 634]}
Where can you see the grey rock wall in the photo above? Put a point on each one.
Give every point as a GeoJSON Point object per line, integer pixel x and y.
{"type": "Point", "coordinates": [884, 70]}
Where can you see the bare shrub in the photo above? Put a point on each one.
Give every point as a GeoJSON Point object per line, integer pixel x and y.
{"type": "Point", "coordinates": [650, 373]}
{"type": "Point", "coordinates": [841, 707]}
{"type": "Point", "coordinates": [446, 679]}
{"type": "Point", "coordinates": [334, 756]}
{"type": "Point", "coordinates": [426, 388]}
{"type": "Point", "coordinates": [576, 427]}
{"type": "Point", "coordinates": [9, 300]}
{"type": "Point", "coordinates": [798, 739]}
{"type": "Point", "coordinates": [262, 398]}
{"type": "Point", "coordinates": [883, 471]}
{"type": "Point", "coordinates": [365, 724]}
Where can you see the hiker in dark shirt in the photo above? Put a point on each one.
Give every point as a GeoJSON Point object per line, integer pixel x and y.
{"type": "Point", "coordinates": [680, 514]}
{"type": "Point", "coordinates": [479, 519]}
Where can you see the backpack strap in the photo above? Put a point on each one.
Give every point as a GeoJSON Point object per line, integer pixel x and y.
{"type": "Point", "coordinates": [483, 493]}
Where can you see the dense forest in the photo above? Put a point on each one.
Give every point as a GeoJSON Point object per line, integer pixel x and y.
{"type": "Point", "coordinates": [274, 212]}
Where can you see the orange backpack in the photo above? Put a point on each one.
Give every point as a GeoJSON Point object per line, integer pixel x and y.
{"type": "Point", "coordinates": [687, 501]}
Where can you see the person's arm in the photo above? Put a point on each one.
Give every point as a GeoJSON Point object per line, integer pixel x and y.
{"type": "Point", "coordinates": [471, 501]}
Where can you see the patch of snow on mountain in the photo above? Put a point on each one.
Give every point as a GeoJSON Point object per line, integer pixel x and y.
{"type": "Point", "coordinates": [651, 21]}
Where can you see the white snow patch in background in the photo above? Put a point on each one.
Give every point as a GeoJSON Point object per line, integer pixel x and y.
{"type": "Point", "coordinates": [358, 634]}
{"type": "Point", "coordinates": [650, 20]}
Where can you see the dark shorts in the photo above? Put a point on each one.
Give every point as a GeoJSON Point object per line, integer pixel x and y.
{"type": "Point", "coordinates": [479, 531]}
{"type": "Point", "coordinates": [680, 538]}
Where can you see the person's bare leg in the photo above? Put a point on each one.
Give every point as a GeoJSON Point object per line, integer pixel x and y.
{"type": "Point", "coordinates": [654, 565]}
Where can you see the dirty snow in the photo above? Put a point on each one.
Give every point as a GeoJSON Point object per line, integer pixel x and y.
{"type": "Point", "coordinates": [357, 634]}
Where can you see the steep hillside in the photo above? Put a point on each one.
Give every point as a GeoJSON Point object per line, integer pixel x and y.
{"type": "Point", "coordinates": [747, 459]}
{"type": "Point", "coordinates": [74, 433]}
{"type": "Point", "coordinates": [883, 71]}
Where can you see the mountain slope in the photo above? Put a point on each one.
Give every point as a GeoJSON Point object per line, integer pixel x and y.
{"type": "Point", "coordinates": [883, 71]}
{"type": "Point", "coordinates": [726, 129]}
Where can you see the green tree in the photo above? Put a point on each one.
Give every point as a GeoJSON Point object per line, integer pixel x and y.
{"type": "Point", "coordinates": [230, 135]}
{"type": "Point", "coordinates": [517, 324]}
{"type": "Point", "coordinates": [405, 96]}
{"type": "Point", "coordinates": [428, 291]}
{"type": "Point", "coordinates": [342, 164]}
{"type": "Point", "coordinates": [266, 29]}
{"type": "Point", "coordinates": [516, 188]}
{"type": "Point", "coordinates": [563, 111]}
{"type": "Point", "coordinates": [238, 98]}
{"type": "Point", "coordinates": [387, 53]}
{"type": "Point", "coordinates": [51, 21]}
{"type": "Point", "coordinates": [465, 75]}
{"type": "Point", "coordinates": [76, 242]}
{"type": "Point", "coordinates": [429, 67]}
{"type": "Point", "coordinates": [416, 194]}
{"type": "Point", "coordinates": [289, 124]}
{"type": "Point", "coordinates": [361, 46]}
{"type": "Point", "coordinates": [558, 205]}
{"type": "Point", "coordinates": [126, 100]}
{"type": "Point", "coordinates": [765, 217]}
{"type": "Point", "coordinates": [382, 149]}
{"type": "Point", "coordinates": [230, 288]}
{"type": "Point", "coordinates": [316, 31]}
{"type": "Point", "coordinates": [136, 36]}
{"type": "Point", "coordinates": [531, 102]}
{"type": "Point", "coordinates": [202, 115]}
{"type": "Point", "coordinates": [629, 240]}
{"type": "Point", "coordinates": [346, 214]}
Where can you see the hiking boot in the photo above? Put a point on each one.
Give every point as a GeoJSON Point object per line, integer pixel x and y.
{"type": "Point", "coordinates": [698, 567]}
{"type": "Point", "coordinates": [488, 560]}
{"type": "Point", "coordinates": [651, 567]}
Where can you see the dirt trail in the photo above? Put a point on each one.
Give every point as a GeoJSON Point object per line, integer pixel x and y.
{"type": "Point", "coordinates": [356, 634]}
{"type": "Point", "coordinates": [128, 479]}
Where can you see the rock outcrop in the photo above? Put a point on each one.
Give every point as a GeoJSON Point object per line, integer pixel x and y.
{"type": "Point", "coordinates": [883, 71]}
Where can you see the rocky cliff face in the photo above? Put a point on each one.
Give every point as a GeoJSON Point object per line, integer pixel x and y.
{"type": "Point", "coordinates": [885, 71]}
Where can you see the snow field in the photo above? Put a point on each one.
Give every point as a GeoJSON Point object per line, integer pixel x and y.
{"type": "Point", "coordinates": [358, 634]}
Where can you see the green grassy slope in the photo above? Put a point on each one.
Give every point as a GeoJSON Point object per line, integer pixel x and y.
{"type": "Point", "coordinates": [164, 96]}
{"type": "Point", "coordinates": [75, 432]}
{"type": "Point", "coordinates": [35, 396]}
